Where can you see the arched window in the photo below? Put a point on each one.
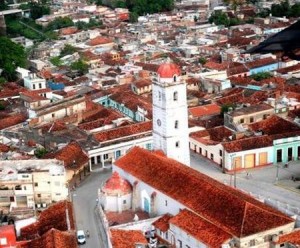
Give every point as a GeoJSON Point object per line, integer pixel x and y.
{"type": "Point", "coordinates": [176, 124]}
{"type": "Point", "coordinates": [175, 96]}
{"type": "Point", "coordinates": [177, 144]}
{"type": "Point", "coordinates": [175, 78]}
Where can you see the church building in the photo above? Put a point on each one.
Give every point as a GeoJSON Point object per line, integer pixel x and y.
{"type": "Point", "coordinates": [196, 210]}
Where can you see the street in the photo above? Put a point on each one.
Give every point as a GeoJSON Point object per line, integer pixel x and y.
{"type": "Point", "coordinates": [84, 202]}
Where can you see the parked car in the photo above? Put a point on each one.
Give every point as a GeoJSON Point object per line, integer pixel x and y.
{"type": "Point", "coordinates": [81, 237]}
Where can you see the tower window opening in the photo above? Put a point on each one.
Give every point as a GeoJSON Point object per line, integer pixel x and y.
{"type": "Point", "coordinates": [176, 124]}
{"type": "Point", "coordinates": [175, 96]}
{"type": "Point", "coordinates": [175, 78]}
{"type": "Point", "coordinates": [177, 144]}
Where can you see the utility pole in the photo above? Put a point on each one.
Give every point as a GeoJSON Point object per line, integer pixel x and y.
{"type": "Point", "coordinates": [277, 173]}
{"type": "Point", "coordinates": [234, 179]}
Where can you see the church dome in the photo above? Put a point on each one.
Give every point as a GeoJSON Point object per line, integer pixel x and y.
{"type": "Point", "coordinates": [168, 70]}
{"type": "Point", "coordinates": [116, 185]}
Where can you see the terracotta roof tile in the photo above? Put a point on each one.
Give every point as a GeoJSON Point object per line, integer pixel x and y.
{"type": "Point", "coordinates": [12, 120]}
{"type": "Point", "coordinates": [163, 223]}
{"type": "Point", "coordinates": [116, 185]}
{"type": "Point", "coordinates": [274, 125]}
{"type": "Point", "coordinates": [200, 111]}
{"type": "Point", "coordinates": [99, 40]}
{"type": "Point", "coordinates": [292, 238]}
{"type": "Point", "coordinates": [217, 134]}
{"type": "Point", "coordinates": [260, 62]}
{"type": "Point", "coordinates": [248, 143]}
{"type": "Point", "coordinates": [69, 154]}
{"type": "Point", "coordinates": [4, 148]}
{"type": "Point", "coordinates": [55, 239]}
{"type": "Point", "coordinates": [201, 229]}
{"type": "Point", "coordinates": [124, 131]}
{"type": "Point", "coordinates": [127, 238]}
{"type": "Point", "coordinates": [194, 189]}
{"type": "Point", "coordinates": [53, 217]}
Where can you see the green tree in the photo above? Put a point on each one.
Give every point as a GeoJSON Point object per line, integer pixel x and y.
{"type": "Point", "coordinates": [2, 106]}
{"type": "Point", "coordinates": [3, 5]}
{"type": "Point", "coordinates": [80, 66]}
{"type": "Point", "coordinates": [40, 152]}
{"type": "Point", "coordinates": [55, 61]}
{"type": "Point", "coordinates": [133, 17]}
{"type": "Point", "coordinates": [59, 22]}
{"type": "Point", "coordinates": [37, 10]}
{"type": "Point", "coordinates": [261, 76]}
{"type": "Point", "coordinates": [219, 18]}
{"type": "Point", "coordinates": [295, 10]}
{"type": "Point", "coordinates": [202, 60]}
{"type": "Point", "coordinates": [68, 49]}
{"type": "Point", "coordinates": [226, 107]}
{"type": "Point", "coordinates": [12, 55]}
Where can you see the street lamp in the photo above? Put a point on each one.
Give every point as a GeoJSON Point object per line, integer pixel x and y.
{"type": "Point", "coordinates": [277, 173]}
{"type": "Point", "coordinates": [233, 162]}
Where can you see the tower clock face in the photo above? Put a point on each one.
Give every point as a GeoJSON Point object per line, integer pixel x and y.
{"type": "Point", "coordinates": [158, 122]}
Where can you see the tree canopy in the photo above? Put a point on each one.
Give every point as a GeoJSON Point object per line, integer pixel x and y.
{"type": "Point", "coordinates": [37, 9]}
{"type": "Point", "coordinates": [80, 66]}
{"type": "Point", "coordinates": [261, 76]}
{"type": "Point", "coordinates": [220, 18]}
{"type": "Point", "coordinates": [282, 9]}
{"type": "Point", "coordinates": [12, 55]}
{"type": "Point", "coordinates": [60, 22]}
{"type": "Point", "coordinates": [68, 49]}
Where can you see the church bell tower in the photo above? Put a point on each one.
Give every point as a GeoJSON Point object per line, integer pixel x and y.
{"type": "Point", "coordinates": [170, 117]}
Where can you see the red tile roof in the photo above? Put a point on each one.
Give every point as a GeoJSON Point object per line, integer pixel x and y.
{"type": "Point", "coordinates": [116, 185]}
{"type": "Point", "coordinates": [168, 70]}
{"type": "Point", "coordinates": [124, 131]}
{"type": "Point", "coordinates": [68, 30]}
{"type": "Point", "coordinates": [217, 134]}
{"type": "Point", "coordinates": [99, 40]}
{"type": "Point", "coordinates": [248, 143]}
{"type": "Point", "coordinates": [163, 223]}
{"type": "Point", "coordinates": [274, 125]}
{"type": "Point", "coordinates": [260, 62]}
{"type": "Point", "coordinates": [11, 90]}
{"type": "Point", "coordinates": [200, 111]}
{"type": "Point", "coordinates": [54, 127]}
{"type": "Point", "coordinates": [244, 215]}
{"type": "Point", "coordinates": [4, 148]}
{"type": "Point", "coordinates": [12, 120]}
{"type": "Point", "coordinates": [127, 238]}
{"type": "Point", "coordinates": [55, 239]}
{"type": "Point", "coordinates": [292, 238]}
{"type": "Point", "coordinates": [53, 217]}
{"type": "Point", "coordinates": [286, 70]}
{"type": "Point", "coordinates": [204, 231]}
{"type": "Point", "coordinates": [69, 154]}
{"type": "Point", "coordinates": [8, 232]}
{"type": "Point", "coordinates": [126, 216]}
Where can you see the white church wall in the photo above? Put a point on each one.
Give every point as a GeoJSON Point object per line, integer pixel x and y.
{"type": "Point", "coordinates": [164, 203]}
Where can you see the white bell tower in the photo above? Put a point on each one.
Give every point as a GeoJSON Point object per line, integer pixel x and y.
{"type": "Point", "coordinates": [170, 116]}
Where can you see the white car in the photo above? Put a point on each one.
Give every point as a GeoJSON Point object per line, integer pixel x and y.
{"type": "Point", "coordinates": [81, 237]}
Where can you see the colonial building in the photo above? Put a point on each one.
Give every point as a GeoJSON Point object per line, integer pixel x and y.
{"type": "Point", "coordinates": [170, 117]}
{"type": "Point", "coordinates": [199, 211]}
{"type": "Point", "coordinates": [30, 184]}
